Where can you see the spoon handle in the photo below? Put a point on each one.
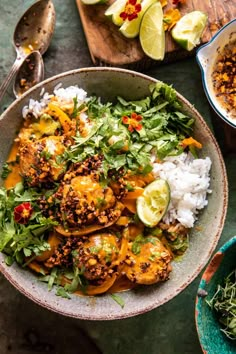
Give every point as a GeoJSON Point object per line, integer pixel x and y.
{"type": "Point", "coordinates": [10, 75]}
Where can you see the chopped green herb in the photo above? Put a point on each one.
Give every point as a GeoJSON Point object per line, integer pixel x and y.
{"type": "Point", "coordinates": [18, 240]}
{"type": "Point", "coordinates": [9, 260]}
{"type": "Point", "coordinates": [45, 154]}
{"type": "Point", "coordinates": [142, 240]}
{"type": "Point", "coordinates": [5, 170]}
{"type": "Point", "coordinates": [118, 299]}
{"type": "Point", "coordinates": [129, 187]}
{"type": "Point", "coordinates": [52, 278]}
{"type": "Point", "coordinates": [224, 303]}
{"type": "Point", "coordinates": [62, 292]}
{"type": "Point", "coordinates": [76, 281]}
{"type": "Point", "coordinates": [154, 256]}
{"type": "Point", "coordinates": [75, 109]}
{"type": "Point", "coordinates": [95, 249]}
{"type": "Point", "coordinates": [164, 126]}
{"type": "Point", "coordinates": [101, 202]}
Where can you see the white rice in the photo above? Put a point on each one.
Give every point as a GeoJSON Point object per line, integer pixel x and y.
{"type": "Point", "coordinates": [189, 183]}
{"type": "Point", "coordinates": [64, 96]}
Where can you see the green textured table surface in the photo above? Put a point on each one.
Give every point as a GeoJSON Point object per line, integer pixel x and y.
{"type": "Point", "coordinates": [25, 327]}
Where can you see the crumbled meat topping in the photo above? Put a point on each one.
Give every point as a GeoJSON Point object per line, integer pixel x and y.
{"type": "Point", "coordinates": [224, 78]}
{"type": "Point", "coordinates": [63, 253]}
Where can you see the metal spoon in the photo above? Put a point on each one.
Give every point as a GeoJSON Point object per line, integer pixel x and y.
{"type": "Point", "coordinates": [33, 32]}
{"type": "Point", "coordinates": [29, 74]}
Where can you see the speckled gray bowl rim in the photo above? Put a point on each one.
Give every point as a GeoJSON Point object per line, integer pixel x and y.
{"type": "Point", "coordinates": [145, 298]}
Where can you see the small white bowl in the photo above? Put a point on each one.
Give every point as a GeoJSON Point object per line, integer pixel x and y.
{"type": "Point", "coordinates": [206, 56]}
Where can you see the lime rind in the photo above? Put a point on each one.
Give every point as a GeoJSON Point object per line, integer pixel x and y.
{"type": "Point", "coordinates": [188, 30]}
{"type": "Point", "coordinates": [93, 2]}
{"type": "Point", "coordinates": [117, 20]}
{"type": "Point", "coordinates": [114, 11]}
{"type": "Point", "coordinates": [130, 29]}
{"type": "Point", "coordinates": [153, 203]}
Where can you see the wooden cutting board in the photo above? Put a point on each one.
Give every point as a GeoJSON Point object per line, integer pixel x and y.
{"type": "Point", "coordinates": [108, 46]}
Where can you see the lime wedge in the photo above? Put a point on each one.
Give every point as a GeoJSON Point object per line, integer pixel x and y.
{"type": "Point", "coordinates": [153, 203]}
{"type": "Point", "coordinates": [130, 29]}
{"type": "Point", "coordinates": [114, 11]}
{"type": "Point", "coordinates": [152, 34]}
{"type": "Point", "coordinates": [188, 30]}
{"type": "Point", "coordinates": [93, 2]}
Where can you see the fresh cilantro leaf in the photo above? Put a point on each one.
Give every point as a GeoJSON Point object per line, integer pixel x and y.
{"type": "Point", "coordinates": [9, 260]}
{"type": "Point", "coordinates": [118, 299]}
{"type": "Point", "coordinates": [5, 170]}
{"type": "Point", "coordinates": [27, 252]}
{"type": "Point", "coordinates": [52, 278]}
{"type": "Point", "coordinates": [62, 292]}
{"type": "Point", "coordinates": [142, 240]}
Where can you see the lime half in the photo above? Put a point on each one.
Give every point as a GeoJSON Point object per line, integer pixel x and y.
{"type": "Point", "coordinates": [114, 11]}
{"type": "Point", "coordinates": [153, 203]}
{"type": "Point", "coordinates": [130, 29]}
{"type": "Point", "coordinates": [188, 30]}
{"type": "Point", "coordinates": [152, 34]}
{"type": "Point", "coordinates": [93, 2]}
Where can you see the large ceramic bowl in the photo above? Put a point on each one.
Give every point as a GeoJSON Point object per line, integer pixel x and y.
{"type": "Point", "coordinates": [206, 57]}
{"type": "Point", "coordinates": [212, 339]}
{"type": "Point", "coordinates": [108, 83]}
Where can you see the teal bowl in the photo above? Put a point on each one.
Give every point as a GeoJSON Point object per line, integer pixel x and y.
{"type": "Point", "coordinates": [212, 339]}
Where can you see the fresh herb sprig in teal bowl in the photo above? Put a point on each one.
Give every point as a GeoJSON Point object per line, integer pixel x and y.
{"type": "Point", "coordinates": [224, 303]}
{"type": "Point", "coordinates": [215, 309]}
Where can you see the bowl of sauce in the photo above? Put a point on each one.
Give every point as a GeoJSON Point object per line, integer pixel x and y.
{"type": "Point", "coordinates": [217, 61]}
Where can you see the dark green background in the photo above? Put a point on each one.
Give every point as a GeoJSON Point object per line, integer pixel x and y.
{"type": "Point", "coordinates": [25, 327]}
